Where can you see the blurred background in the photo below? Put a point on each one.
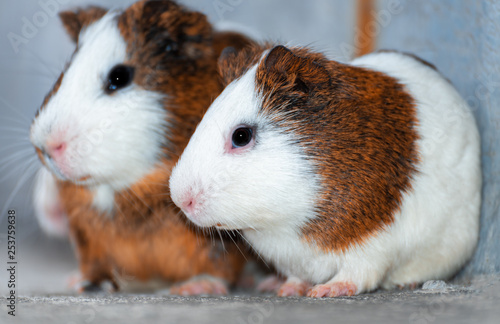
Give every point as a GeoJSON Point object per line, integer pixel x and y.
{"type": "Point", "coordinates": [462, 38]}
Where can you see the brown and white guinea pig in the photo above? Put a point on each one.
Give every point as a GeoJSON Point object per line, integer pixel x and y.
{"type": "Point", "coordinates": [348, 177]}
{"type": "Point", "coordinates": [111, 130]}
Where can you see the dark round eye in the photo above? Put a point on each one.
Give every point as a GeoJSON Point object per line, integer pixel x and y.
{"type": "Point", "coordinates": [171, 47]}
{"type": "Point", "coordinates": [119, 77]}
{"type": "Point", "coordinates": [242, 136]}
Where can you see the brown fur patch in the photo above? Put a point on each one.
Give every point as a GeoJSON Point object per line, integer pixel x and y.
{"type": "Point", "coordinates": [233, 64]}
{"type": "Point", "coordinates": [357, 127]}
{"type": "Point", "coordinates": [187, 72]}
{"type": "Point", "coordinates": [173, 52]}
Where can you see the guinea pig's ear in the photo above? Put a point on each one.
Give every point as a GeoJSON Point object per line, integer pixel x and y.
{"type": "Point", "coordinates": [236, 41]}
{"type": "Point", "coordinates": [74, 21]}
{"type": "Point", "coordinates": [226, 59]}
{"type": "Point", "coordinates": [234, 61]}
{"type": "Point", "coordinates": [305, 73]}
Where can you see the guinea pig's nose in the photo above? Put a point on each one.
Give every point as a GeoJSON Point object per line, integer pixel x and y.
{"type": "Point", "coordinates": [57, 149]}
{"type": "Point", "coordinates": [190, 202]}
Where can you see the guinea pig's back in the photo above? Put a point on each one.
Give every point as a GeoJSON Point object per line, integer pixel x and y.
{"type": "Point", "coordinates": [439, 216]}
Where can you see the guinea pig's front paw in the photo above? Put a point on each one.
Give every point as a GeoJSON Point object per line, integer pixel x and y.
{"type": "Point", "coordinates": [271, 284]}
{"type": "Point", "coordinates": [334, 289]}
{"type": "Point", "coordinates": [106, 286]}
{"type": "Point", "coordinates": [89, 287]}
{"type": "Point", "coordinates": [410, 286]}
{"type": "Point", "coordinates": [201, 285]}
{"type": "Point", "coordinates": [81, 286]}
{"type": "Point", "coordinates": [74, 281]}
{"type": "Point", "coordinates": [293, 287]}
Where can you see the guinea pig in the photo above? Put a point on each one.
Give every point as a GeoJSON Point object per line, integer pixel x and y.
{"type": "Point", "coordinates": [111, 130]}
{"type": "Point", "coordinates": [347, 177]}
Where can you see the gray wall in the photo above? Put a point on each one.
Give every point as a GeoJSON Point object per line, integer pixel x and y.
{"type": "Point", "coordinates": [460, 37]}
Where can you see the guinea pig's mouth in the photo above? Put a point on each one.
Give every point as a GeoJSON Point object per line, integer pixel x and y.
{"type": "Point", "coordinates": [225, 227]}
{"type": "Point", "coordinates": [199, 219]}
{"type": "Point", "coordinates": [219, 226]}
{"type": "Point", "coordinates": [53, 168]}
{"type": "Point", "coordinates": [61, 176]}
{"type": "Point", "coordinates": [203, 218]}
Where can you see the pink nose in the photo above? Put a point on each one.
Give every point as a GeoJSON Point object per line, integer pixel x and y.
{"type": "Point", "coordinates": [56, 150]}
{"type": "Point", "coordinates": [190, 202]}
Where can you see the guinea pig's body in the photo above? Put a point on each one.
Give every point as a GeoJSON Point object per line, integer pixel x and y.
{"type": "Point", "coordinates": [347, 177]}
{"type": "Point", "coordinates": [111, 130]}
{"type": "Point", "coordinates": [146, 239]}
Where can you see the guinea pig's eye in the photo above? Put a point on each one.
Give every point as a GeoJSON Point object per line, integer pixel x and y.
{"type": "Point", "coordinates": [119, 77]}
{"type": "Point", "coordinates": [242, 137]}
{"type": "Point", "coordinates": [171, 47]}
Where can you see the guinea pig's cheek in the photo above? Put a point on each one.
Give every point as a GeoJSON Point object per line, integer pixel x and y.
{"type": "Point", "coordinates": [65, 169]}
{"type": "Point", "coordinates": [70, 165]}
{"type": "Point", "coordinates": [79, 155]}
{"type": "Point", "coordinates": [200, 215]}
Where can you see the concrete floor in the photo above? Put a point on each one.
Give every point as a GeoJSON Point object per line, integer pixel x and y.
{"type": "Point", "coordinates": [44, 298]}
{"type": "Point", "coordinates": [478, 303]}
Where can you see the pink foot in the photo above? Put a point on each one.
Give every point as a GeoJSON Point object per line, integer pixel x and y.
{"type": "Point", "coordinates": [270, 284]}
{"type": "Point", "coordinates": [411, 286]}
{"type": "Point", "coordinates": [75, 282]}
{"type": "Point", "coordinates": [203, 285]}
{"type": "Point", "coordinates": [335, 289]}
{"type": "Point", "coordinates": [293, 288]}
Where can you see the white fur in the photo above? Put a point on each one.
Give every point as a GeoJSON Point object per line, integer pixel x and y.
{"type": "Point", "coordinates": [113, 139]}
{"type": "Point", "coordinates": [269, 192]}
{"type": "Point", "coordinates": [104, 198]}
{"type": "Point", "coordinates": [47, 206]}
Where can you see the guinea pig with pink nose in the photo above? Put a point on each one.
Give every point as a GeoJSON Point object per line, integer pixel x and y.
{"type": "Point", "coordinates": [110, 132]}
{"type": "Point", "coordinates": [347, 177]}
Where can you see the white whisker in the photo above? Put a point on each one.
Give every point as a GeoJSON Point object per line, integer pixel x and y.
{"type": "Point", "coordinates": [27, 175]}
{"type": "Point", "coordinates": [16, 111]}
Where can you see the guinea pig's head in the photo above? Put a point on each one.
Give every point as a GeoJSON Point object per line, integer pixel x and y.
{"type": "Point", "coordinates": [246, 166]}
{"type": "Point", "coordinates": [108, 118]}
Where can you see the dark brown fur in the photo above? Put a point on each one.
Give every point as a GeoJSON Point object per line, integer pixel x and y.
{"type": "Point", "coordinates": [175, 52]}
{"type": "Point", "coordinates": [357, 128]}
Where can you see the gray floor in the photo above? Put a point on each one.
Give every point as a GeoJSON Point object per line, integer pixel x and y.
{"type": "Point", "coordinates": [43, 297]}
{"type": "Point", "coordinates": [477, 303]}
